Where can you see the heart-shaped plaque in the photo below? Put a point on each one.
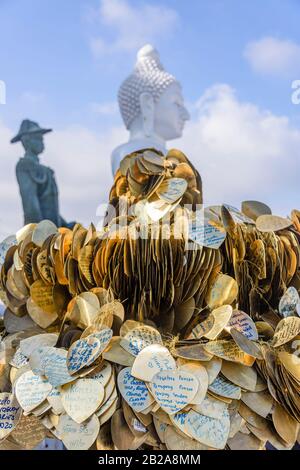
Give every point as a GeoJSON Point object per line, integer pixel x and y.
{"type": "Point", "coordinates": [10, 413]}
{"type": "Point", "coordinates": [134, 391]}
{"type": "Point", "coordinates": [82, 398]}
{"type": "Point", "coordinates": [78, 436]}
{"type": "Point", "coordinates": [31, 390]}
{"type": "Point", "coordinates": [151, 360]}
{"type": "Point", "coordinates": [173, 390]}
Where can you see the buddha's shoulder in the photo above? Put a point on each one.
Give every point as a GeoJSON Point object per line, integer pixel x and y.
{"type": "Point", "coordinates": [123, 150]}
{"type": "Point", "coordinates": [119, 153]}
{"type": "Point", "coordinates": [132, 146]}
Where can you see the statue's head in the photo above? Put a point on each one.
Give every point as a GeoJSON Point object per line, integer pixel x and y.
{"type": "Point", "coordinates": [32, 137]}
{"type": "Point", "coordinates": [152, 98]}
{"type": "Point", "coordinates": [33, 143]}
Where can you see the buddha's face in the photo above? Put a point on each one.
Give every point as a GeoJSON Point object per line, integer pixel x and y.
{"type": "Point", "coordinates": [34, 143]}
{"type": "Point", "coordinates": [170, 113]}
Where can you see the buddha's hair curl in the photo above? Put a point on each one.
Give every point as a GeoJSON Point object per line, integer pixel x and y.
{"type": "Point", "coordinates": [148, 76]}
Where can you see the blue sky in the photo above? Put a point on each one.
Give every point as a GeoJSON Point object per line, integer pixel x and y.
{"type": "Point", "coordinates": [62, 62]}
{"type": "Point", "coordinates": [45, 50]}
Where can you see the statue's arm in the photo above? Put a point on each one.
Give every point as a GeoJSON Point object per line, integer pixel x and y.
{"type": "Point", "coordinates": [28, 189]}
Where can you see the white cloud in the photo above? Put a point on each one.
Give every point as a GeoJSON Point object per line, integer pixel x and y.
{"type": "Point", "coordinates": [241, 151]}
{"type": "Point", "coordinates": [10, 203]}
{"type": "Point", "coordinates": [131, 26]}
{"type": "Point", "coordinates": [274, 56]}
{"type": "Point", "coordinates": [81, 160]}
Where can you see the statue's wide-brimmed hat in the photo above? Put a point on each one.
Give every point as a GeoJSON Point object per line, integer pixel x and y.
{"type": "Point", "coordinates": [29, 127]}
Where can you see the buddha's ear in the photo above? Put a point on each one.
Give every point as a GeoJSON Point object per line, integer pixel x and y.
{"type": "Point", "coordinates": [147, 109]}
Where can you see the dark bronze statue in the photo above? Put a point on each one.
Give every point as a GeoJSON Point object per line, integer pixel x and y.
{"type": "Point", "coordinates": [37, 183]}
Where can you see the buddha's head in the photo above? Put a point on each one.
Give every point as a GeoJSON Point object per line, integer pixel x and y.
{"type": "Point", "coordinates": [151, 99]}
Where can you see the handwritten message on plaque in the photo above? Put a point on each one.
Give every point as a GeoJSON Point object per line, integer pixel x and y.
{"type": "Point", "coordinates": [224, 388]}
{"type": "Point", "coordinates": [173, 390]}
{"type": "Point", "coordinates": [19, 360]}
{"type": "Point", "coordinates": [244, 324]}
{"type": "Point", "coordinates": [288, 302]}
{"type": "Point", "coordinates": [83, 353]}
{"type": "Point", "coordinates": [179, 421]}
{"type": "Point", "coordinates": [286, 330]}
{"type": "Point", "coordinates": [42, 295]}
{"type": "Point", "coordinates": [29, 432]}
{"type": "Point", "coordinates": [160, 428]}
{"type": "Point", "coordinates": [56, 367]}
{"type": "Point", "coordinates": [209, 431]}
{"type": "Point", "coordinates": [10, 412]}
{"type": "Point", "coordinates": [228, 350]}
{"type": "Point", "coordinates": [202, 328]}
{"type": "Point", "coordinates": [134, 391]}
{"type": "Point", "coordinates": [201, 375]}
{"type": "Point", "coordinates": [31, 390]}
{"type": "Point", "coordinates": [82, 398]}
{"type": "Point", "coordinates": [205, 233]}
{"type": "Point", "coordinates": [172, 189]}
{"type": "Point", "coordinates": [151, 360]}
{"type": "Point", "coordinates": [104, 336]}
{"type": "Point", "coordinates": [140, 337]}
{"type": "Point", "coordinates": [78, 436]}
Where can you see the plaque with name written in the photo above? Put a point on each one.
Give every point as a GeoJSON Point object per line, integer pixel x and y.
{"type": "Point", "coordinates": [173, 390]}
{"type": "Point", "coordinates": [10, 413]}
{"type": "Point", "coordinates": [134, 391]}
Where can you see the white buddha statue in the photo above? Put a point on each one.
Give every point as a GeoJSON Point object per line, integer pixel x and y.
{"type": "Point", "coordinates": [151, 105]}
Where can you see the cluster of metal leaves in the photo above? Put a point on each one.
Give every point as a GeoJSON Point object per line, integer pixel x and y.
{"type": "Point", "coordinates": [148, 173]}
{"type": "Point", "coordinates": [161, 269]}
{"type": "Point", "coordinates": [153, 275]}
{"type": "Point", "coordinates": [58, 384]}
{"type": "Point", "coordinates": [264, 258]}
{"type": "Point", "coordinates": [156, 277]}
{"type": "Point", "coordinates": [226, 369]}
{"type": "Point", "coordinates": [208, 391]}
{"type": "Point", "coordinates": [232, 383]}
{"type": "Point", "coordinates": [239, 371]}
